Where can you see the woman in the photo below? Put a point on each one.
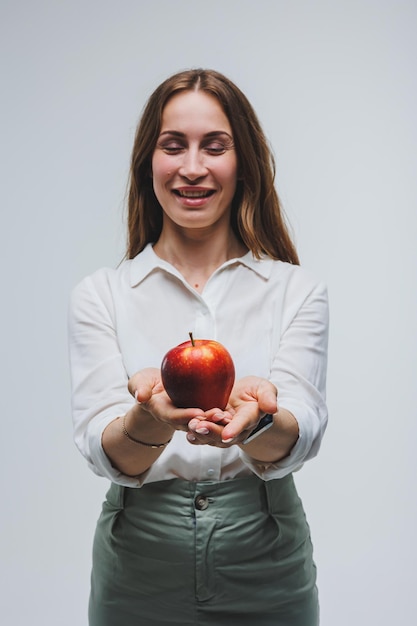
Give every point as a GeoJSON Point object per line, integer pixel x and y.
{"type": "Point", "coordinates": [199, 527]}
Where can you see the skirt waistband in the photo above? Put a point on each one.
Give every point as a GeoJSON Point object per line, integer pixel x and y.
{"type": "Point", "coordinates": [250, 493]}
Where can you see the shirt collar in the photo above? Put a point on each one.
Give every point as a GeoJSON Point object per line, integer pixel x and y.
{"type": "Point", "coordinates": [147, 261]}
{"type": "Point", "coordinates": [143, 264]}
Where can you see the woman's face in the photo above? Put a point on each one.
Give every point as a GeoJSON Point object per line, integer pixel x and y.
{"type": "Point", "coordinates": [194, 165]}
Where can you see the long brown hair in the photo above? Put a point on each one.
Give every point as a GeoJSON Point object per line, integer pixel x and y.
{"type": "Point", "coordinates": [257, 215]}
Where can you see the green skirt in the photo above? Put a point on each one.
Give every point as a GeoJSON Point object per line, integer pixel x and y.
{"type": "Point", "coordinates": [227, 553]}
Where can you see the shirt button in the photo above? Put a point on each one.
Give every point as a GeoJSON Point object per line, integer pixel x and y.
{"type": "Point", "coordinates": [210, 472]}
{"type": "Point", "coordinates": [201, 502]}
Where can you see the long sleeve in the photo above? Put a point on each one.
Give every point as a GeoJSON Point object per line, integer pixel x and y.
{"type": "Point", "coordinates": [299, 372]}
{"type": "Point", "coordinates": [99, 378]}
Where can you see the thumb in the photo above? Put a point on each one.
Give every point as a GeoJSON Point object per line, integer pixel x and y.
{"type": "Point", "coordinates": [267, 397]}
{"type": "Point", "coordinates": [145, 383]}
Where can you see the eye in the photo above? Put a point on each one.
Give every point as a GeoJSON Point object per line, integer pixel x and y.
{"type": "Point", "coordinates": [218, 145]}
{"type": "Point", "coordinates": [215, 147]}
{"type": "Point", "coordinates": [171, 147]}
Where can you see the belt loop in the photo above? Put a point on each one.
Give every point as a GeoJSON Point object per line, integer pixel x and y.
{"type": "Point", "coordinates": [121, 499]}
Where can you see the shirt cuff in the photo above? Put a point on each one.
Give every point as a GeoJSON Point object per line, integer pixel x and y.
{"type": "Point", "coordinates": [270, 471]}
{"type": "Point", "coordinates": [98, 460]}
{"type": "Point", "coordinates": [312, 425]}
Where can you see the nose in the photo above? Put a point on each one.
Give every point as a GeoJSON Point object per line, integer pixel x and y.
{"type": "Point", "coordinates": [193, 166]}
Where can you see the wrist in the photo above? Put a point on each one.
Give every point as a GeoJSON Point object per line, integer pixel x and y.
{"type": "Point", "coordinates": [141, 426]}
{"type": "Point", "coordinates": [147, 444]}
{"type": "Point", "coordinates": [275, 443]}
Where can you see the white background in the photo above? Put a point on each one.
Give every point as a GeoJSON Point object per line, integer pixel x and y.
{"type": "Point", "coordinates": [334, 84]}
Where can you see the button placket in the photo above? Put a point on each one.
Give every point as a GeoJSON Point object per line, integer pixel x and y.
{"type": "Point", "coordinates": [204, 547]}
{"type": "Point", "coordinates": [204, 322]}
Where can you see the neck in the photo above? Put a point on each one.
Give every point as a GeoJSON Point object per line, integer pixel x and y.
{"type": "Point", "coordinates": [198, 254]}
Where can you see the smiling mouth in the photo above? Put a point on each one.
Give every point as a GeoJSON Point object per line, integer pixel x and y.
{"type": "Point", "coordinates": [194, 193]}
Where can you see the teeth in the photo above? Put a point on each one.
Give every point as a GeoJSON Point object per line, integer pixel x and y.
{"type": "Point", "coordinates": [193, 194]}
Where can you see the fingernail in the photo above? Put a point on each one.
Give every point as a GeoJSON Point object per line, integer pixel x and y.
{"type": "Point", "coordinates": [191, 437]}
{"type": "Point", "coordinates": [227, 440]}
{"type": "Point", "coordinates": [202, 431]}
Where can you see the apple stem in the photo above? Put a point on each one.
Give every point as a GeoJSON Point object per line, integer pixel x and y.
{"type": "Point", "coordinates": [192, 339]}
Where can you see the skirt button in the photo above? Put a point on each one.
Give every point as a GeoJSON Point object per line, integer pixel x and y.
{"type": "Point", "coordinates": [201, 502]}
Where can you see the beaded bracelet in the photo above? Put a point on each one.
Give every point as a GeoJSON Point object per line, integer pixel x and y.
{"type": "Point", "coordinates": [142, 443]}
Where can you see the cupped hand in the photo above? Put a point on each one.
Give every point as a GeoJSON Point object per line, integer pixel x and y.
{"type": "Point", "coordinates": [250, 399]}
{"type": "Point", "coordinates": [146, 386]}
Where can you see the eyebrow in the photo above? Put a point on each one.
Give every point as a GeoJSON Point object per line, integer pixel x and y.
{"type": "Point", "coordinates": [213, 133]}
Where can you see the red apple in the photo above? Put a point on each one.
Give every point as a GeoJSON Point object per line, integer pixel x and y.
{"type": "Point", "coordinates": [198, 374]}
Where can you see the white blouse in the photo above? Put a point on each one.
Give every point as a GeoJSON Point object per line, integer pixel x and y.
{"type": "Point", "coordinates": [270, 315]}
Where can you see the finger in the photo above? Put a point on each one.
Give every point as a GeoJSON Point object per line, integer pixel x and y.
{"type": "Point", "coordinates": [205, 431]}
{"type": "Point", "coordinates": [197, 426]}
{"type": "Point", "coordinates": [218, 416]}
{"type": "Point", "coordinates": [267, 397]}
{"type": "Point", "coordinates": [143, 393]}
{"type": "Point", "coordinates": [245, 419]}
{"type": "Point", "coordinates": [144, 383]}
{"type": "Point", "coordinates": [259, 390]}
